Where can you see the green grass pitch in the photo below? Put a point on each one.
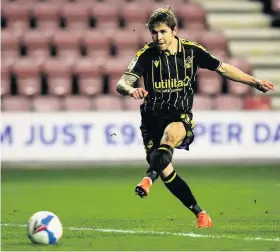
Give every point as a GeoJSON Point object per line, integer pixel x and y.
{"type": "Point", "coordinates": [243, 202]}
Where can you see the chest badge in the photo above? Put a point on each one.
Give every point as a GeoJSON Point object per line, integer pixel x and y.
{"type": "Point", "coordinates": [189, 62]}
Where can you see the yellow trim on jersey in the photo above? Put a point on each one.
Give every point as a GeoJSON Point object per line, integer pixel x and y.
{"type": "Point", "coordinates": [132, 74]}
{"type": "Point", "coordinates": [170, 180]}
{"type": "Point", "coordinates": [180, 44]}
{"type": "Point", "coordinates": [142, 50]}
{"type": "Point", "coordinates": [187, 42]}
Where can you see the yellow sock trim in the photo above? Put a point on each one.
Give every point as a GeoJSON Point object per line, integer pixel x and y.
{"type": "Point", "coordinates": [170, 180]}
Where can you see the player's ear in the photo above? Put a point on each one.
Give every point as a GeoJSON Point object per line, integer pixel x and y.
{"type": "Point", "coordinates": [175, 30]}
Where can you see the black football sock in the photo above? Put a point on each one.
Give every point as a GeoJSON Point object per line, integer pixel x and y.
{"type": "Point", "coordinates": [179, 188]}
{"type": "Point", "coordinates": [153, 175]}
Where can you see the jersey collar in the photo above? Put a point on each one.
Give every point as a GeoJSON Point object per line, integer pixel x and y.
{"type": "Point", "coordinates": [179, 50]}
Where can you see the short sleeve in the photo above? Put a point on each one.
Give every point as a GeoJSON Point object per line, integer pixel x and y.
{"type": "Point", "coordinates": [206, 59]}
{"type": "Point", "coordinates": [136, 67]}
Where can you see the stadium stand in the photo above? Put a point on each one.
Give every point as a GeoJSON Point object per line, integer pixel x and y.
{"type": "Point", "coordinates": [68, 55]}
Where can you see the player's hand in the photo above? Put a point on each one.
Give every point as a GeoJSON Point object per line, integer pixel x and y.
{"type": "Point", "coordinates": [264, 86]}
{"type": "Point", "coordinates": [138, 93]}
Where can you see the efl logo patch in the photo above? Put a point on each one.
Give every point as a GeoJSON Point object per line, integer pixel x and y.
{"type": "Point", "coordinates": [132, 63]}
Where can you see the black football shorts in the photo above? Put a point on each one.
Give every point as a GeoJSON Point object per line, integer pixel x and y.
{"type": "Point", "coordinates": [153, 126]}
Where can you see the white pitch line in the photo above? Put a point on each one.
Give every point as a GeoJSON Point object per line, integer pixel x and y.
{"type": "Point", "coordinates": [123, 231]}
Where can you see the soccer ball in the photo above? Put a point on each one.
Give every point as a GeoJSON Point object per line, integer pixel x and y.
{"type": "Point", "coordinates": [44, 228]}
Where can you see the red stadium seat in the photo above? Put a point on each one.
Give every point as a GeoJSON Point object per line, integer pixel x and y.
{"type": "Point", "coordinates": [257, 103]}
{"type": "Point", "coordinates": [132, 104]}
{"type": "Point", "coordinates": [77, 103]}
{"type": "Point", "coordinates": [9, 47]}
{"type": "Point", "coordinates": [114, 68]}
{"type": "Point", "coordinates": [46, 104]}
{"type": "Point", "coordinates": [202, 102]}
{"type": "Point", "coordinates": [107, 103]}
{"type": "Point", "coordinates": [228, 102]}
{"type": "Point", "coordinates": [135, 15]}
{"type": "Point", "coordinates": [190, 34]}
{"type": "Point", "coordinates": [276, 6]}
{"type": "Point", "coordinates": [242, 64]}
{"type": "Point", "coordinates": [28, 77]}
{"type": "Point", "coordinates": [5, 80]}
{"type": "Point", "coordinates": [127, 43]}
{"type": "Point", "coordinates": [47, 16]}
{"type": "Point", "coordinates": [209, 82]}
{"type": "Point", "coordinates": [76, 16]}
{"type": "Point", "coordinates": [38, 45]}
{"type": "Point", "coordinates": [89, 73]}
{"type": "Point", "coordinates": [17, 16]}
{"type": "Point", "coordinates": [16, 104]}
{"type": "Point", "coordinates": [67, 45]}
{"type": "Point", "coordinates": [59, 77]}
{"type": "Point", "coordinates": [192, 15]}
{"type": "Point", "coordinates": [97, 46]}
{"type": "Point", "coordinates": [107, 16]}
{"type": "Point", "coordinates": [237, 88]}
{"type": "Point", "coordinates": [214, 42]}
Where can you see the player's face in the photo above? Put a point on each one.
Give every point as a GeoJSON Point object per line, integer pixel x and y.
{"type": "Point", "coordinates": [162, 36]}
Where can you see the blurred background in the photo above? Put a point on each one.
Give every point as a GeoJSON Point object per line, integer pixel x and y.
{"type": "Point", "coordinates": [65, 56]}
{"type": "Point", "coordinates": [68, 55]}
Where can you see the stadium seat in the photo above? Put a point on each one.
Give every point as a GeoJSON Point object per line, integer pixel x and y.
{"type": "Point", "coordinates": [106, 15]}
{"type": "Point", "coordinates": [107, 103]}
{"type": "Point", "coordinates": [242, 64]}
{"type": "Point", "coordinates": [228, 102]}
{"type": "Point", "coordinates": [46, 103]}
{"type": "Point", "coordinates": [38, 45]}
{"type": "Point", "coordinates": [238, 88]}
{"type": "Point", "coordinates": [97, 46]}
{"type": "Point", "coordinates": [89, 73]}
{"type": "Point", "coordinates": [77, 103]}
{"type": "Point", "coordinates": [47, 17]}
{"type": "Point", "coordinates": [5, 80]}
{"type": "Point", "coordinates": [127, 43]}
{"type": "Point", "coordinates": [144, 36]}
{"type": "Point", "coordinates": [28, 77]}
{"type": "Point", "coordinates": [17, 16]}
{"type": "Point", "coordinates": [9, 47]}
{"type": "Point", "coordinates": [114, 69]}
{"type": "Point", "coordinates": [16, 104]}
{"type": "Point", "coordinates": [209, 82]}
{"type": "Point", "coordinates": [202, 102]}
{"type": "Point", "coordinates": [190, 34]}
{"type": "Point", "coordinates": [192, 15]}
{"type": "Point", "coordinates": [76, 16]}
{"type": "Point", "coordinates": [276, 6]}
{"type": "Point", "coordinates": [67, 44]}
{"type": "Point", "coordinates": [214, 42]}
{"type": "Point", "coordinates": [132, 104]}
{"type": "Point", "coordinates": [135, 15]}
{"type": "Point", "coordinates": [260, 102]}
{"type": "Point", "coordinates": [59, 77]}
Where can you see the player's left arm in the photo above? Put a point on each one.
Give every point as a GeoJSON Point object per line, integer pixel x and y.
{"type": "Point", "coordinates": [235, 74]}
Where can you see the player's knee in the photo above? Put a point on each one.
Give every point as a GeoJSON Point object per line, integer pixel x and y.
{"type": "Point", "coordinates": [161, 158]}
{"type": "Point", "coordinates": [173, 134]}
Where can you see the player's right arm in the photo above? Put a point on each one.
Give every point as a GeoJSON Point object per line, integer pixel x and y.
{"type": "Point", "coordinates": [125, 86]}
{"type": "Point", "coordinates": [134, 71]}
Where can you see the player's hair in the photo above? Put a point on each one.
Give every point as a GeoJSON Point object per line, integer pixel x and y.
{"type": "Point", "coordinates": [163, 15]}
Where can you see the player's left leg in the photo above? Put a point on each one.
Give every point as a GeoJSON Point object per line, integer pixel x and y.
{"type": "Point", "coordinates": [174, 135]}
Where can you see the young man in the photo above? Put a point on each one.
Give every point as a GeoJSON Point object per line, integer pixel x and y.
{"type": "Point", "coordinates": [168, 66]}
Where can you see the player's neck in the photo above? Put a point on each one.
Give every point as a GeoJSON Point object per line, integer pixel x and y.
{"type": "Point", "coordinates": [173, 47]}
